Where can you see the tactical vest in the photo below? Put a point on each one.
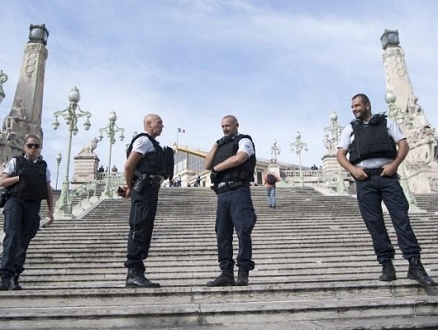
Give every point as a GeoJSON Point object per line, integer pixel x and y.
{"type": "Point", "coordinates": [242, 173]}
{"type": "Point", "coordinates": [158, 162]}
{"type": "Point", "coordinates": [371, 140]}
{"type": "Point", "coordinates": [33, 183]}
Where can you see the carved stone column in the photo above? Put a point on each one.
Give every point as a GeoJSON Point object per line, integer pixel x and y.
{"type": "Point", "coordinates": [25, 115]}
{"type": "Point", "coordinates": [420, 166]}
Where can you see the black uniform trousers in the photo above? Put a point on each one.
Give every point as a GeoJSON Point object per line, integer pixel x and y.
{"type": "Point", "coordinates": [22, 222]}
{"type": "Point", "coordinates": [141, 225]}
{"type": "Point", "coordinates": [235, 211]}
{"type": "Point", "coordinates": [370, 194]}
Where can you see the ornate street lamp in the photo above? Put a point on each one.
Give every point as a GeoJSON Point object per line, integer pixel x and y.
{"type": "Point", "coordinates": [111, 131]}
{"type": "Point", "coordinates": [335, 131]}
{"type": "Point", "coordinates": [58, 161]}
{"type": "Point", "coordinates": [299, 146]}
{"type": "Point", "coordinates": [71, 115]}
{"type": "Point", "coordinates": [3, 78]}
{"type": "Point", "coordinates": [396, 114]}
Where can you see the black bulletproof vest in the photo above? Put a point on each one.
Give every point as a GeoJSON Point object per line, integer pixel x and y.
{"type": "Point", "coordinates": [371, 140]}
{"type": "Point", "coordinates": [158, 162]}
{"type": "Point", "coordinates": [32, 184]}
{"type": "Point", "coordinates": [244, 172]}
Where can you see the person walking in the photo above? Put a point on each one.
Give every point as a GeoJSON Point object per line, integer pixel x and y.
{"type": "Point", "coordinates": [270, 181]}
{"type": "Point", "coordinates": [371, 142]}
{"type": "Point", "coordinates": [232, 162]}
{"type": "Point", "coordinates": [27, 178]}
{"type": "Point", "coordinates": [145, 169]}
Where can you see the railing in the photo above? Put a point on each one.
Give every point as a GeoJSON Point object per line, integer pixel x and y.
{"type": "Point", "coordinates": [105, 175]}
{"type": "Point", "coordinates": [306, 173]}
{"type": "Point", "coordinates": [314, 177]}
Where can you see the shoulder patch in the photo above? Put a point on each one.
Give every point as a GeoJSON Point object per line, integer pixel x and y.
{"type": "Point", "coordinates": [138, 142]}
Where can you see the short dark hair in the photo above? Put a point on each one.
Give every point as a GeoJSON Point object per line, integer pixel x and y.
{"type": "Point", "coordinates": [31, 136]}
{"type": "Point", "coordinates": [364, 98]}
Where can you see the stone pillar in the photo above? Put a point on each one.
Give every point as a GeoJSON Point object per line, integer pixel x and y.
{"type": "Point", "coordinates": [330, 165]}
{"type": "Point", "coordinates": [274, 168]}
{"type": "Point", "coordinates": [420, 166]}
{"type": "Point", "coordinates": [396, 72]}
{"type": "Point", "coordinates": [86, 163]}
{"type": "Point", "coordinates": [25, 115]}
{"type": "Point", "coordinates": [85, 168]}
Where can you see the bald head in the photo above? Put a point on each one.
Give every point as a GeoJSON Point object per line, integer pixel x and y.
{"type": "Point", "coordinates": [153, 125]}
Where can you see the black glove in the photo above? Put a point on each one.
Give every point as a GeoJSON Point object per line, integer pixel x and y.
{"type": "Point", "coordinates": [213, 176]}
{"type": "Point", "coordinates": [121, 191]}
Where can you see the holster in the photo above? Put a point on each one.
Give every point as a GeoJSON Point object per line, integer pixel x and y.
{"type": "Point", "coordinates": [214, 188]}
{"type": "Point", "coordinates": [156, 181]}
{"type": "Point", "coordinates": [144, 179]}
{"type": "Point", "coordinates": [4, 195]}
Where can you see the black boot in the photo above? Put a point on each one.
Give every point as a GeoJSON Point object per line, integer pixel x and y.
{"type": "Point", "coordinates": [6, 284]}
{"type": "Point", "coordinates": [388, 271]}
{"type": "Point", "coordinates": [242, 277]}
{"type": "Point", "coordinates": [136, 279]}
{"type": "Point", "coordinates": [416, 272]}
{"type": "Point", "coordinates": [226, 278]}
{"type": "Point", "coordinates": [15, 284]}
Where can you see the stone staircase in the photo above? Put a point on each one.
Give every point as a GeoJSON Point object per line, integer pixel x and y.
{"type": "Point", "coordinates": [427, 202]}
{"type": "Point", "coordinates": [315, 269]}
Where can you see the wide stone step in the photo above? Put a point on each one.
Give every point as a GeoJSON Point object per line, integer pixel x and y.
{"type": "Point", "coordinates": [138, 313]}
{"type": "Point", "coordinates": [60, 296]}
{"type": "Point", "coordinates": [315, 267]}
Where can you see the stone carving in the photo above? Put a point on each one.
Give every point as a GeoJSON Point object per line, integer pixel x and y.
{"type": "Point", "coordinates": [89, 148]}
{"type": "Point", "coordinates": [330, 145]}
{"type": "Point", "coordinates": [275, 150]}
{"type": "Point", "coordinates": [417, 112]}
{"type": "Point", "coordinates": [421, 134]}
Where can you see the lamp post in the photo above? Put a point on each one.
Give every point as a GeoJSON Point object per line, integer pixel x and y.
{"type": "Point", "coordinates": [3, 79]}
{"type": "Point", "coordinates": [58, 161]}
{"type": "Point", "coordinates": [298, 146]}
{"type": "Point", "coordinates": [335, 131]}
{"type": "Point", "coordinates": [395, 113]}
{"type": "Point", "coordinates": [71, 115]}
{"type": "Point", "coordinates": [111, 129]}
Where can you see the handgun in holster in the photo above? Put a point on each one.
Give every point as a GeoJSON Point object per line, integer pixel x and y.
{"type": "Point", "coordinates": [140, 181]}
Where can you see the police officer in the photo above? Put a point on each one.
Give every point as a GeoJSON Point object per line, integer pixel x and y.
{"type": "Point", "coordinates": [144, 172]}
{"type": "Point", "coordinates": [373, 161]}
{"type": "Point", "coordinates": [232, 162]}
{"type": "Point", "coordinates": [28, 180]}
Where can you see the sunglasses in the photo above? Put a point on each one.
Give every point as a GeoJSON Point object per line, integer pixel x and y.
{"type": "Point", "coordinates": [33, 145]}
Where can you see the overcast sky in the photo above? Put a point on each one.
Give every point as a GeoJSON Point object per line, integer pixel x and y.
{"type": "Point", "coordinates": [279, 66]}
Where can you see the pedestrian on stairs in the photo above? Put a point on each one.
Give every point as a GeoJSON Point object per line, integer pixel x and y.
{"type": "Point", "coordinates": [144, 172]}
{"type": "Point", "coordinates": [232, 162]}
{"type": "Point", "coordinates": [373, 161]}
{"type": "Point", "coordinates": [270, 181]}
{"type": "Point", "coordinates": [27, 179]}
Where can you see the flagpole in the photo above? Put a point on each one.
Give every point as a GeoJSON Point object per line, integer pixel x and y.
{"type": "Point", "coordinates": [177, 133]}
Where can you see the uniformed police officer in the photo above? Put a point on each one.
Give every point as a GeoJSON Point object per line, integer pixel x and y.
{"type": "Point", "coordinates": [28, 180]}
{"type": "Point", "coordinates": [373, 161]}
{"type": "Point", "coordinates": [232, 162]}
{"type": "Point", "coordinates": [144, 173]}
